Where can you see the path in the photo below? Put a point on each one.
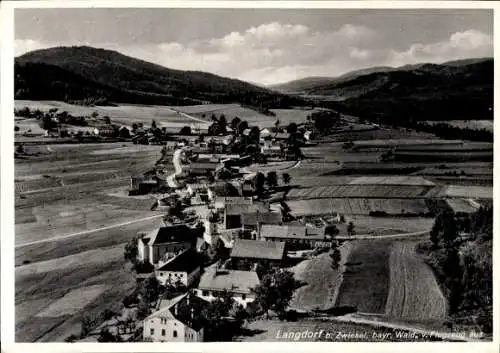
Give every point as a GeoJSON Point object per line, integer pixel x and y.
{"type": "Point", "coordinates": [387, 236]}
{"type": "Point", "coordinates": [66, 236]}
{"type": "Point", "coordinates": [187, 115]}
{"type": "Point", "coordinates": [176, 160]}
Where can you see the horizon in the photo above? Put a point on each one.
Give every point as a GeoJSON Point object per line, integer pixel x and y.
{"type": "Point", "coordinates": [270, 86]}
{"type": "Point", "coordinates": [265, 46]}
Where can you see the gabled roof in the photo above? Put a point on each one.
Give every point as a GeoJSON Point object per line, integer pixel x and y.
{"type": "Point", "coordinates": [170, 234]}
{"type": "Point", "coordinates": [188, 261]}
{"type": "Point", "coordinates": [239, 209]}
{"type": "Point", "coordinates": [231, 280]}
{"type": "Point", "coordinates": [258, 249]}
{"type": "Point", "coordinates": [186, 308]}
{"type": "Point", "coordinates": [287, 231]}
{"type": "Point", "coordinates": [252, 218]}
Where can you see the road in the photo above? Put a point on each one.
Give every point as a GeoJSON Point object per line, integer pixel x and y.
{"type": "Point", "coordinates": [187, 115]}
{"type": "Point", "coordinates": [176, 160]}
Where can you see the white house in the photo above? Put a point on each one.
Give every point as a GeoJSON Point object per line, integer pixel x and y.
{"type": "Point", "coordinates": [165, 242]}
{"type": "Point", "coordinates": [238, 283]}
{"type": "Point", "coordinates": [210, 235]}
{"type": "Point", "coordinates": [179, 320]}
{"type": "Point", "coordinates": [183, 268]}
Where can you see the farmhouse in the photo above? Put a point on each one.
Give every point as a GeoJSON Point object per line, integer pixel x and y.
{"type": "Point", "coordinates": [179, 320]}
{"type": "Point", "coordinates": [197, 168]}
{"type": "Point", "coordinates": [251, 221]}
{"type": "Point", "coordinates": [233, 213]}
{"type": "Point", "coordinates": [239, 283]}
{"type": "Point", "coordinates": [222, 201]}
{"type": "Point", "coordinates": [106, 131]}
{"type": "Point", "coordinates": [165, 242]}
{"type": "Point", "coordinates": [200, 191]}
{"type": "Point", "coordinates": [183, 268]}
{"type": "Point", "coordinates": [296, 236]}
{"type": "Point", "coordinates": [254, 251]}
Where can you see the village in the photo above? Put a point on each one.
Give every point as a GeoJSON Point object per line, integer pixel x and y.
{"type": "Point", "coordinates": [223, 235]}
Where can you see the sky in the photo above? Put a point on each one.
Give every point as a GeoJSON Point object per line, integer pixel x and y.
{"type": "Point", "coordinates": [265, 46]}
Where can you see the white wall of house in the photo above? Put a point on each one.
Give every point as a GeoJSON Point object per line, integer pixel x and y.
{"type": "Point", "coordinates": [142, 251]}
{"type": "Point", "coordinates": [242, 299]}
{"type": "Point", "coordinates": [173, 277]}
{"type": "Point", "coordinates": [210, 235]}
{"type": "Point", "coordinates": [156, 252]}
{"type": "Point", "coordinates": [160, 329]}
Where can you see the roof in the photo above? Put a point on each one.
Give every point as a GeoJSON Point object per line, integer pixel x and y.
{"type": "Point", "coordinates": [238, 209]}
{"type": "Point", "coordinates": [288, 231]}
{"type": "Point", "coordinates": [231, 280]}
{"type": "Point", "coordinates": [170, 234]}
{"type": "Point", "coordinates": [186, 308]}
{"type": "Point", "coordinates": [258, 249]}
{"type": "Point", "coordinates": [188, 261]}
{"type": "Point", "coordinates": [203, 166]}
{"type": "Point", "coordinates": [197, 186]}
{"type": "Point", "coordinates": [235, 200]}
{"type": "Point", "coordinates": [250, 218]}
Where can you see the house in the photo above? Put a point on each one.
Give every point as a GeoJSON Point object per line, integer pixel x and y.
{"type": "Point", "coordinates": [265, 132]}
{"type": "Point", "coordinates": [183, 268]}
{"type": "Point", "coordinates": [178, 320]}
{"type": "Point", "coordinates": [165, 242]}
{"type": "Point", "coordinates": [222, 201]}
{"type": "Point", "coordinates": [295, 236]}
{"type": "Point", "coordinates": [197, 168]}
{"type": "Point", "coordinates": [201, 191]}
{"type": "Point", "coordinates": [141, 184]}
{"type": "Point", "coordinates": [251, 221]}
{"type": "Point", "coordinates": [106, 131]}
{"type": "Point", "coordinates": [253, 251]}
{"type": "Point", "coordinates": [233, 213]}
{"type": "Point", "coordinates": [238, 283]}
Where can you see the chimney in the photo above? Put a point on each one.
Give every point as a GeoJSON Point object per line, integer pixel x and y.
{"type": "Point", "coordinates": [175, 309]}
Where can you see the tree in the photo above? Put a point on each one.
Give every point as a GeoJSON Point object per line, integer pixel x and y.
{"type": "Point", "coordinates": [234, 124]}
{"type": "Point", "coordinates": [186, 130]}
{"type": "Point", "coordinates": [254, 135]}
{"type": "Point", "coordinates": [335, 255]}
{"type": "Point", "coordinates": [124, 133]}
{"type": "Point", "coordinates": [331, 230]}
{"type": "Point", "coordinates": [107, 120]}
{"type": "Point", "coordinates": [134, 127]}
{"type": "Point", "coordinates": [275, 291]}
{"type": "Point", "coordinates": [20, 149]}
{"type": "Point", "coordinates": [94, 114]}
{"type": "Point", "coordinates": [260, 180]}
{"type": "Point", "coordinates": [444, 232]}
{"type": "Point", "coordinates": [291, 128]}
{"type": "Point", "coordinates": [272, 179]}
{"type": "Point", "coordinates": [153, 125]}
{"type": "Point", "coordinates": [142, 309]}
{"type": "Point", "coordinates": [16, 128]}
{"type": "Point", "coordinates": [106, 336]}
{"type": "Point", "coordinates": [277, 124]}
{"type": "Point", "coordinates": [131, 250]}
{"type": "Point", "coordinates": [215, 313]}
{"type": "Point", "coordinates": [242, 126]}
{"type": "Point", "coordinates": [286, 178]}
{"type": "Point", "coordinates": [150, 289]}
{"type": "Point", "coordinates": [350, 229]}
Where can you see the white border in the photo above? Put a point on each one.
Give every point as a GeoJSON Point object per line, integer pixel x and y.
{"type": "Point", "coordinates": [7, 187]}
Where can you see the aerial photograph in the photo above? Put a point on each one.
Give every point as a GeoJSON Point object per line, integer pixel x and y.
{"type": "Point", "coordinates": [253, 175]}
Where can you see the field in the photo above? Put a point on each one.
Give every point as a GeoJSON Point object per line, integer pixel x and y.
{"type": "Point", "coordinates": [392, 180]}
{"type": "Point", "coordinates": [366, 281]}
{"type": "Point", "coordinates": [473, 192]}
{"type": "Point", "coordinates": [468, 124]}
{"type": "Point", "coordinates": [414, 295]}
{"type": "Point", "coordinates": [321, 282]}
{"type": "Point", "coordinates": [356, 206]}
{"type": "Point", "coordinates": [355, 190]}
{"type": "Point", "coordinates": [72, 218]}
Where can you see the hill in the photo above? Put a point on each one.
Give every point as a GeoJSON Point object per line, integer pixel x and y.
{"type": "Point", "coordinates": [458, 90]}
{"type": "Point", "coordinates": [79, 73]}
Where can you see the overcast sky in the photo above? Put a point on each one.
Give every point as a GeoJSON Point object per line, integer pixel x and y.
{"type": "Point", "coordinates": [264, 46]}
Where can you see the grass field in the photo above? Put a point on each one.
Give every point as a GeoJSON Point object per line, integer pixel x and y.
{"type": "Point", "coordinates": [366, 278]}
{"type": "Point", "coordinates": [414, 295]}
{"type": "Point", "coordinates": [356, 206]}
{"type": "Point", "coordinates": [392, 180]}
{"type": "Point", "coordinates": [354, 190]}
{"type": "Point", "coordinates": [467, 124]}
{"type": "Point", "coordinates": [67, 192]}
